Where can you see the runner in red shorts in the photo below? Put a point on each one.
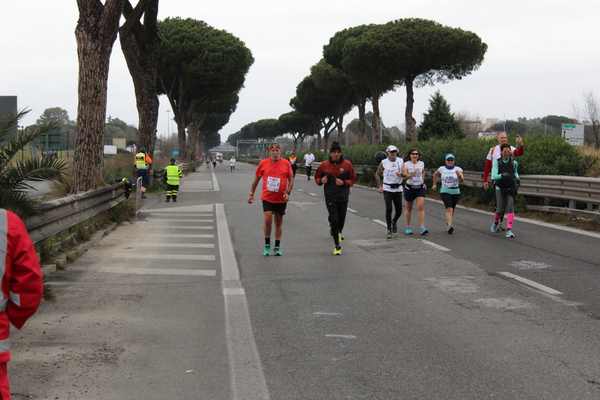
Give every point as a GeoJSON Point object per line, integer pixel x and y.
{"type": "Point", "coordinates": [277, 184]}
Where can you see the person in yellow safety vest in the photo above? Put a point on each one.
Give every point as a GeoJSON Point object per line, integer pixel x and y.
{"type": "Point", "coordinates": [143, 162]}
{"type": "Point", "coordinates": [173, 174]}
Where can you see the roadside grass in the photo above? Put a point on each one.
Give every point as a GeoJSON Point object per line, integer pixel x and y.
{"type": "Point", "coordinates": [591, 158]}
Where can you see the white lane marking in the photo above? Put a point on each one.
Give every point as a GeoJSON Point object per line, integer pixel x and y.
{"type": "Point", "coordinates": [350, 337]}
{"type": "Point", "coordinates": [178, 235]}
{"type": "Point", "coordinates": [215, 182]}
{"type": "Point", "coordinates": [300, 190]}
{"type": "Point", "coordinates": [531, 283]}
{"type": "Point", "coordinates": [504, 303]}
{"type": "Point", "coordinates": [246, 372]}
{"type": "Point", "coordinates": [352, 210]}
{"type": "Point", "coordinates": [160, 227]}
{"type": "Point", "coordinates": [435, 245]}
{"type": "Point", "coordinates": [159, 271]}
{"type": "Point", "coordinates": [526, 265]}
{"type": "Point", "coordinates": [529, 221]}
{"type": "Point", "coordinates": [169, 221]}
{"type": "Point", "coordinates": [163, 245]}
{"type": "Point", "coordinates": [234, 292]}
{"type": "Point", "coordinates": [327, 314]}
{"type": "Point", "coordinates": [167, 257]}
{"type": "Point", "coordinates": [181, 209]}
{"type": "Point", "coordinates": [313, 194]}
{"type": "Point", "coordinates": [380, 222]}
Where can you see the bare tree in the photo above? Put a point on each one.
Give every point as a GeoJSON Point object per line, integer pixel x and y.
{"type": "Point", "coordinates": [591, 106]}
{"type": "Point", "coordinates": [96, 33]}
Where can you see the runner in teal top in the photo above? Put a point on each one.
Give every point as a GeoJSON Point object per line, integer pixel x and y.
{"type": "Point", "coordinates": [451, 176]}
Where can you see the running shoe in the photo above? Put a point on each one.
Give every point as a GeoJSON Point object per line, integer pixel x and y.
{"type": "Point", "coordinates": [394, 228]}
{"type": "Point", "coordinates": [408, 231]}
{"type": "Point", "coordinates": [267, 250]}
{"type": "Point", "coordinates": [389, 234]}
{"type": "Point", "coordinates": [337, 251]}
{"type": "Point", "coordinates": [510, 234]}
{"type": "Point", "coordinates": [450, 230]}
{"type": "Point", "coordinates": [424, 232]}
{"type": "Point", "coordinates": [494, 228]}
{"type": "Point", "coordinates": [277, 252]}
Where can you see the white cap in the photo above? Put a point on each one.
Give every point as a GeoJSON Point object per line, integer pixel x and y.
{"type": "Point", "coordinates": [391, 148]}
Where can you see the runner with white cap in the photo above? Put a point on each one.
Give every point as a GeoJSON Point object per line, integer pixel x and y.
{"type": "Point", "coordinates": [451, 176]}
{"type": "Point", "coordinates": [390, 169]}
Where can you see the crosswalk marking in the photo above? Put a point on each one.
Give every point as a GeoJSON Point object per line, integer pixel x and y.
{"type": "Point", "coordinates": [168, 257]}
{"type": "Point", "coordinates": [179, 236]}
{"type": "Point", "coordinates": [159, 271]}
{"type": "Point", "coordinates": [152, 245]}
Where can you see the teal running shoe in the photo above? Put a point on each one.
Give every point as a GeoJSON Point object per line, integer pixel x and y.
{"type": "Point", "coordinates": [408, 231]}
{"type": "Point", "coordinates": [267, 250]}
{"type": "Point", "coordinates": [277, 252]}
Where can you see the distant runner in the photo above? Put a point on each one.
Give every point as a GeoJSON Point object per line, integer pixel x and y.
{"type": "Point", "coordinates": [232, 163]}
{"type": "Point", "coordinates": [451, 177]}
{"type": "Point", "coordinates": [390, 169]}
{"type": "Point", "coordinates": [293, 162]}
{"type": "Point", "coordinates": [277, 184]}
{"type": "Point", "coordinates": [337, 175]}
{"type": "Point", "coordinates": [309, 158]}
{"type": "Point", "coordinates": [505, 174]}
{"type": "Point", "coordinates": [414, 170]}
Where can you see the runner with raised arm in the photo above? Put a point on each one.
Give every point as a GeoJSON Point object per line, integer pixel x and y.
{"type": "Point", "coordinates": [390, 169]}
{"type": "Point", "coordinates": [277, 184]}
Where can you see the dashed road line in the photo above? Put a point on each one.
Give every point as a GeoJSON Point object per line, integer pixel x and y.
{"type": "Point", "coordinates": [215, 182]}
{"type": "Point", "coordinates": [434, 245]}
{"type": "Point", "coordinates": [380, 222]}
{"type": "Point", "coordinates": [530, 283]}
{"type": "Point", "coordinates": [327, 314]}
{"type": "Point", "coordinates": [313, 194]}
{"type": "Point", "coordinates": [349, 337]}
{"type": "Point", "coordinates": [352, 210]}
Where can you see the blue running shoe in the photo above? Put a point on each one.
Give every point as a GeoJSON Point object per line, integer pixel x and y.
{"type": "Point", "coordinates": [408, 231]}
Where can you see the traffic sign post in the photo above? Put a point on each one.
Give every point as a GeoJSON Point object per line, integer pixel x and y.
{"type": "Point", "coordinates": [573, 134]}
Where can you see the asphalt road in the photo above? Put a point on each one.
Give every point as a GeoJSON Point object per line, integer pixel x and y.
{"type": "Point", "coordinates": [397, 319]}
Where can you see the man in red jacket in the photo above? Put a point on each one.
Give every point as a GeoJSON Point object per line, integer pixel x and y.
{"type": "Point", "coordinates": [337, 175]}
{"type": "Point", "coordinates": [494, 154]}
{"type": "Point", "coordinates": [22, 285]}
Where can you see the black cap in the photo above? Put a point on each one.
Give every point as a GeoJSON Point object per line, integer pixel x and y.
{"type": "Point", "coordinates": [335, 146]}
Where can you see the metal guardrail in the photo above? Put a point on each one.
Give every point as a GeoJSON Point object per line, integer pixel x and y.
{"type": "Point", "coordinates": [61, 214]}
{"type": "Point", "coordinates": [570, 188]}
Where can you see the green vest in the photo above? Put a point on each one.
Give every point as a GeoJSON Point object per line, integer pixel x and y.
{"type": "Point", "coordinates": [173, 174]}
{"type": "Point", "coordinates": [140, 161]}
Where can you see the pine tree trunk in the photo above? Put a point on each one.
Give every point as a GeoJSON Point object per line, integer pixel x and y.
{"type": "Point", "coordinates": [140, 45]}
{"type": "Point", "coordinates": [362, 117]}
{"type": "Point", "coordinates": [410, 122]}
{"type": "Point", "coordinates": [194, 134]}
{"type": "Point", "coordinates": [376, 133]}
{"type": "Point", "coordinates": [181, 138]}
{"type": "Point", "coordinates": [96, 33]}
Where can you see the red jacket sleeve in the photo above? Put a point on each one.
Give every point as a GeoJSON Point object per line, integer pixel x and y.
{"type": "Point", "coordinates": [24, 275]}
{"type": "Point", "coordinates": [352, 180]}
{"type": "Point", "coordinates": [319, 174]}
{"type": "Point", "coordinates": [519, 151]}
{"type": "Point", "coordinates": [487, 169]}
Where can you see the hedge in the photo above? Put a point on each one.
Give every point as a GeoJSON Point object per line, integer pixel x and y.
{"type": "Point", "coordinates": [544, 155]}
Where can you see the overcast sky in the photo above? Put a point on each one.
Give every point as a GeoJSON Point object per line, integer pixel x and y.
{"type": "Point", "coordinates": [542, 55]}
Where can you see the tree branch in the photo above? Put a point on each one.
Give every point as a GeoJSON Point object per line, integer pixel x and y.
{"type": "Point", "coordinates": [133, 15]}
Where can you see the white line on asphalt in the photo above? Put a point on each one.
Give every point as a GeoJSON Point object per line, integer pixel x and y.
{"type": "Point", "coordinates": [529, 221]}
{"type": "Point", "coordinates": [181, 209]}
{"type": "Point", "coordinates": [215, 182]}
{"type": "Point", "coordinates": [327, 314]}
{"type": "Point", "coordinates": [435, 245]}
{"type": "Point", "coordinates": [150, 226]}
{"type": "Point", "coordinates": [300, 190]}
{"type": "Point", "coordinates": [246, 372]}
{"type": "Point", "coordinates": [531, 283]}
{"type": "Point", "coordinates": [313, 194]}
{"type": "Point", "coordinates": [351, 337]}
{"type": "Point", "coordinates": [158, 271]}
{"type": "Point", "coordinates": [352, 210]}
{"type": "Point", "coordinates": [380, 222]}
{"type": "Point", "coordinates": [179, 235]}
{"type": "Point", "coordinates": [169, 221]}
{"type": "Point", "coordinates": [163, 245]}
{"type": "Point", "coordinates": [167, 257]}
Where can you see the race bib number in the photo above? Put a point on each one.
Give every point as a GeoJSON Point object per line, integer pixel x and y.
{"type": "Point", "coordinates": [450, 181]}
{"type": "Point", "coordinates": [273, 184]}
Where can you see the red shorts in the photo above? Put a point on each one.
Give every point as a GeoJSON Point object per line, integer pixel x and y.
{"type": "Point", "coordinates": [4, 386]}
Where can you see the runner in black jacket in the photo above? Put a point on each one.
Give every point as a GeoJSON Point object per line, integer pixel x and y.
{"type": "Point", "coordinates": [337, 175]}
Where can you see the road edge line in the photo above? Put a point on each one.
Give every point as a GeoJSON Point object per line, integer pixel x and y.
{"type": "Point", "coordinates": [532, 284]}
{"type": "Point", "coordinates": [215, 181]}
{"type": "Point", "coordinates": [247, 377]}
{"type": "Point", "coordinates": [435, 245]}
